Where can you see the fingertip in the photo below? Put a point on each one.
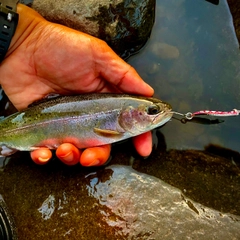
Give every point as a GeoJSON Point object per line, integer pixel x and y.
{"type": "Point", "coordinates": [138, 85]}
{"type": "Point", "coordinates": [143, 144]}
{"type": "Point", "coordinates": [121, 74]}
{"type": "Point", "coordinates": [41, 156]}
{"type": "Point", "coordinates": [146, 89]}
{"type": "Point", "coordinates": [95, 156]}
{"type": "Point", "coordinates": [68, 154]}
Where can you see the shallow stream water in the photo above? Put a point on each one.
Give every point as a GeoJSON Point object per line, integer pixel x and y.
{"type": "Point", "coordinates": [180, 191]}
{"type": "Point", "coordinates": [192, 61]}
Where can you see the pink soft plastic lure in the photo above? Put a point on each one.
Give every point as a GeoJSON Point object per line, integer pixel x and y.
{"type": "Point", "coordinates": [190, 116]}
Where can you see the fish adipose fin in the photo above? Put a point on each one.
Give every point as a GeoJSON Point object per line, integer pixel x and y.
{"type": "Point", "coordinates": [107, 132]}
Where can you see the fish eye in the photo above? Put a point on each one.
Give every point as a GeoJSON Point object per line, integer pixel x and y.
{"type": "Point", "coordinates": [153, 110]}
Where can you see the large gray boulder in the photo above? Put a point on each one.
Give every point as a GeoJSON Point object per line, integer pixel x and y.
{"type": "Point", "coordinates": [124, 24]}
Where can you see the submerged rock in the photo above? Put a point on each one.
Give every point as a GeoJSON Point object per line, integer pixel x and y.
{"type": "Point", "coordinates": [124, 24]}
{"type": "Point", "coordinates": [165, 51]}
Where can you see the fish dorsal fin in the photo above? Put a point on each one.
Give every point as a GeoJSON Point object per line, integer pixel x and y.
{"type": "Point", "coordinates": [107, 132]}
{"type": "Point", "coordinates": [45, 99]}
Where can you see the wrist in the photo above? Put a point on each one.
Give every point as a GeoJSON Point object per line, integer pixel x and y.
{"type": "Point", "coordinates": [28, 19]}
{"type": "Point", "coordinates": [8, 24]}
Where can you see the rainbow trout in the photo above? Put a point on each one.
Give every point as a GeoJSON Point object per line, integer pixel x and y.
{"type": "Point", "coordinates": [86, 120]}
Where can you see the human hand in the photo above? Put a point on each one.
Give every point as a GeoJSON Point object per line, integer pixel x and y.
{"type": "Point", "coordinates": [49, 58]}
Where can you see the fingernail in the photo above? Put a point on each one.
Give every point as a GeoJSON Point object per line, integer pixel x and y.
{"type": "Point", "coordinates": [67, 157]}
{"type": "Point", "coordinates": [43, 160]}
{"type": "Point", "coordinates": [93, 163]}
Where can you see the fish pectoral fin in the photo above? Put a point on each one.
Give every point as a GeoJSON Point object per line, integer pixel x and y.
{"type": "Point", "coordinates": [107, 132]}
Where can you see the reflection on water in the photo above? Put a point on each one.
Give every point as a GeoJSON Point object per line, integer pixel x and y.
{"type": "Point", "coordinates": [47, 207]}
{"type": "Point", "coordinates": [143, 207]}
{"type": "Point", "coordinates": [192, 61]}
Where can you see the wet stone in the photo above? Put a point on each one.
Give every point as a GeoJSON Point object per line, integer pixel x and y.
{"type": "Point", "coordinates": [124, 24]}
{"type": "Point", "coordinates": [170, 195]}
{"type": "Point", "coordinates": [155, 209]}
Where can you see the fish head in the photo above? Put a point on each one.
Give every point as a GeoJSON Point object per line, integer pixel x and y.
{"type": "Point", "coordinates": [145, 115]}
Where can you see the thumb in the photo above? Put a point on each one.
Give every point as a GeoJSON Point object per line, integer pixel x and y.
{"type": "Point", "coordinates": [119, 73]}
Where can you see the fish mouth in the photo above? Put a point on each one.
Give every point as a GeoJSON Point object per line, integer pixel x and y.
{"type": "Point", "coordinates": [164, 117]}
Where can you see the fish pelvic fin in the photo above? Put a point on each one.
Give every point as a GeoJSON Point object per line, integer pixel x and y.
{"type": "Point", "coordinates": [107, 132]}
{"type": "Point", "coordinates": [6, 151]}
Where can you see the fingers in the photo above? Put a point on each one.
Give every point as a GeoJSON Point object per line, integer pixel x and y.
{"type": "Point", "coordinates": [41, 156]}
{"type": "Point", "coordinates": [95, 156]}
{"type": "Point", "coordinates": [143, 144]}
{"type": "Point", "coordinates": [68, 154]}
